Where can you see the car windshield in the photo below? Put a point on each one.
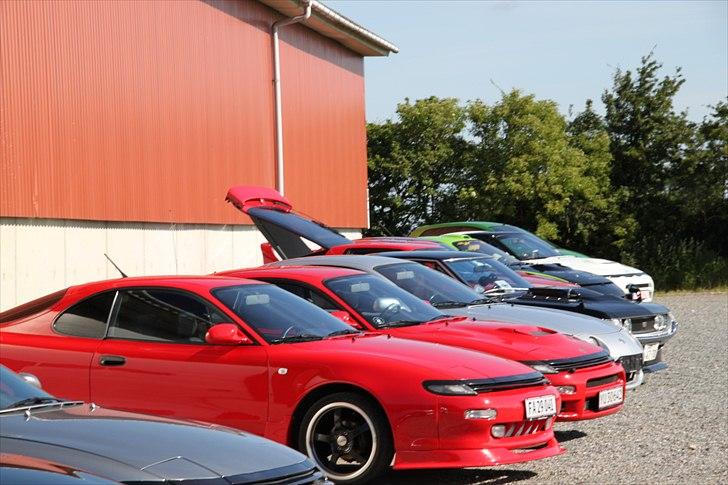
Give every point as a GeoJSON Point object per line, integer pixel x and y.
{"type": "Point", "coordinates": [487, 275]}
{"type": "Point", "coordinates": [380, 302]}
{"type": "Point", "coordinates": [14, 390]}
{"type": "Point", "coordinates": [429, 285]}
{"type": "Point", "coordinates": [481, 247]}
{"type": "Point", "coordinates": [279, 316]}
{"type": "Point", "coordinates": [526, 246]}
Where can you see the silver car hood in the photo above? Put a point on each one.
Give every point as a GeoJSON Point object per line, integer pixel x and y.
{"type": "Point", "coordinates": [617, 341]}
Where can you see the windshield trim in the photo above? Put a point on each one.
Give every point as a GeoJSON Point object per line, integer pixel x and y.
{"type": "Point", "coordinates": [43, 405]}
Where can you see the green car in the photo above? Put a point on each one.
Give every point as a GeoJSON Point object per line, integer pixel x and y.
{"type": "Point", "coordinates": [451, 227]}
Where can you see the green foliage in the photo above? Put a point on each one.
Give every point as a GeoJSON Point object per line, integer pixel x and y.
{"type": "Point", "coordinates": [683, 264]}
{"type": "Point", "coordinates": [643, 184]}
{"type": "Point", "coordinates": [412, 163]}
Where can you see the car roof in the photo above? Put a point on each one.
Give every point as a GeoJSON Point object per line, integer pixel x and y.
{"type": "Point", "coordinates": [437, 255]}
{"type": "Point", "coordinates": [275, 269]}
{"type": "Point", "coordinates": [365, 262]}
{"type": "Point", "coordinates": [475, 225]}
{"type": "Point", "coordinates": [176, 281]}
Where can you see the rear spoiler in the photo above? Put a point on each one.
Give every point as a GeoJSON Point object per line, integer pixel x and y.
{"type": "Point", "coordinates": [245, 197]}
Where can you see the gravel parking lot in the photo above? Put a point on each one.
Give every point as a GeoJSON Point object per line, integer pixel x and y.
{"type": "Point", "coordinates": [674, 429]}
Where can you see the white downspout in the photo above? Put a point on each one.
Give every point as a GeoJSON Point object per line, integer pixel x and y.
{"type": "Point", "coordinates": [277, 86]}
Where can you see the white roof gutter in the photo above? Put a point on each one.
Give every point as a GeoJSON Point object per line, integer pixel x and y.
{"type": "Point", "coordinates": [332, 24]}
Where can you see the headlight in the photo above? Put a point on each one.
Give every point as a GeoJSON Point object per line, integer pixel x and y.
{"type": "Point", "coordinates": [661, 321]}
{"type": "Point", "coordinates": [449, 388]}
{"type": "Point", "coordinates": [544, 368]}
{"type": "Point", "coordinates": [615, 321]}
{"type": "Point", "coordinates": [623, 323]}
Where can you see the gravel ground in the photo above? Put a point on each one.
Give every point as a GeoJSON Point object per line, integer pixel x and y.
{"type": "Point", "coordinates": [673, 429]}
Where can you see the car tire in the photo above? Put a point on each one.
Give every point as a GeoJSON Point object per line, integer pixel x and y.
{"type": "Point", "coordinates": [348, 436]}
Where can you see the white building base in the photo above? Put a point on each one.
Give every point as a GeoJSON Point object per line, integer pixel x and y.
{"type": "Point", "coordinates": [39, 256]}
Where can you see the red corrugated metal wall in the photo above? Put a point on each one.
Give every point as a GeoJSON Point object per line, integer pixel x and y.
{"type": "Point", "coordinates": [148, 111]}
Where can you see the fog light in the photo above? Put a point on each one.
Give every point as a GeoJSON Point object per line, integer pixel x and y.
{"type": "Point", "coordinates": [480, 414]}
{"type": "Point", "coordinates": [566, 389]}
{"type": "Point", "coordinates": [498, 431]}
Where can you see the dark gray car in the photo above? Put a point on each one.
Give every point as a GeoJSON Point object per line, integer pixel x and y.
{"type": "Point", "coordinates": [139, 449]}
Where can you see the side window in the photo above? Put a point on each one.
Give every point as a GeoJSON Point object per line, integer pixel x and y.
{"type": "Point", "coordinates": [87, 318]}
{"type": "Point", "coordinates": [163, 316]}
{"type": "Point", "coordinates": [308, 294]}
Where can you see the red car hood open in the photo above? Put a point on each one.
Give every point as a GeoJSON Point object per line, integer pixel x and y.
{"type": "Point", "coordinates": [516, 342]}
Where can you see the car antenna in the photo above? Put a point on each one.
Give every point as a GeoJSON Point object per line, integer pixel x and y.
{"type": "Point", "coordinates": [123, 275]}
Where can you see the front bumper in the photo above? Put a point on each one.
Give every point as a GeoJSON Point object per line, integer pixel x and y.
{"type": "Point", "coordinates": [477, 458]}
{"type": "Point", "coordinates": [641, 280]}
{"type": "Point", "coordinates": [659, 338]}
{"type": "Point", "coordinates": [469, 442]}
{"type": "Point", "coordinates": [583, 403]}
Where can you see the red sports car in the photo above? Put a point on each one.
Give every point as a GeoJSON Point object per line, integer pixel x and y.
{"type": "Point", "coordinates": [591, 384]}
{"type": "Point", "coordinates": [250, 355]}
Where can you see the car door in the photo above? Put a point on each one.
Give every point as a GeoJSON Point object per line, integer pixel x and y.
{"type": "Point", "coordinates": [155, 360]}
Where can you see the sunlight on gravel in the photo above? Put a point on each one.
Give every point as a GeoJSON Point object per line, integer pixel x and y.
{"type": "Point", "coordinates": [674, 429]}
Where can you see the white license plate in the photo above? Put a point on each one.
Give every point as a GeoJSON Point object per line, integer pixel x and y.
{"type": "Point", "coordinates": [539, 407]}
{"type": "Point", "coordinates": [650, 352]}
{"type": "Point", "coordinates": [610, 397]}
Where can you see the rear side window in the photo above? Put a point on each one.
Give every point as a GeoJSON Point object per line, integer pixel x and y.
{"type": "Point", "coordinates": [32, 307]}
{"type": "Point", "coordinates": [87, 318]}
{"type": "Point", "coordinates": [163, 316]}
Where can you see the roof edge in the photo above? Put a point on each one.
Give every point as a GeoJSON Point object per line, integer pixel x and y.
{"type": "Point", "coordinates": [332, 24]}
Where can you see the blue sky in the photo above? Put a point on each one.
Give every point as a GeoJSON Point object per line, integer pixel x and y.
{"type": "Point", "coordinates": [565, 51]}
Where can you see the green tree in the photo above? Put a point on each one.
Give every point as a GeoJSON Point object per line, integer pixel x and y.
{"type": "Point", "coordinates": [649, 141]}
{"type": "Point", "coordinates": [412, 163]}
{"type": "Point", "coordinates": [528, 170]}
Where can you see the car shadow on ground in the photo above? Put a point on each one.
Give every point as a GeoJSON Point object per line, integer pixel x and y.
{"type": "Point", "coordinates": [473, 476]}
{"type": "Point", "coordinates": [568, 435]}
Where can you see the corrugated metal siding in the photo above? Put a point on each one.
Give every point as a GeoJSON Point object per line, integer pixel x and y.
{"type": "Point", "coordinates": [324, 127]}
{"type": "Point", "coordinates": [149, 111]}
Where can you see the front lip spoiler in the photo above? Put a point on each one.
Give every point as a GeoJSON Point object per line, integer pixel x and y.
{"type": "Point", "coordinates": [656, 367]}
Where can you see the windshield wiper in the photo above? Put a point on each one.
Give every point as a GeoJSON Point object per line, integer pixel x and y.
{"type": "Point", "coordinates": [449, 304]}
{"type": "Point", "coordinates": [481, 301]}
{"type": "Point", "coordinates": [440, 317]}
{"type": "Point", "coordinates": [345, 331]}
{"type": "Point", "coordinates": [400, 323]}
{"type": "Point", "coordinates": [297, 338]}
{"type": "Point", "coordinates": [34, 401]}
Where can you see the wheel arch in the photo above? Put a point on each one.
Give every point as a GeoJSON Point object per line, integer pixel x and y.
{"type": "Point", "coordinates": [324, 390]}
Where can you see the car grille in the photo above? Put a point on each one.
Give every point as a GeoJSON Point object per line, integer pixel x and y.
{"type": "Point", "coordinates": [602, 381]}
{"type": "Point", "coordinates": [580, 362]}
{"type": "Point", "coordinates": [631, 363]}
{"type": "Point", "coordinates": [524, 428]}
{"type": "Point", "coordinates": [644, 325]}
{"type": "Point", "coordinates": [509, 382]}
